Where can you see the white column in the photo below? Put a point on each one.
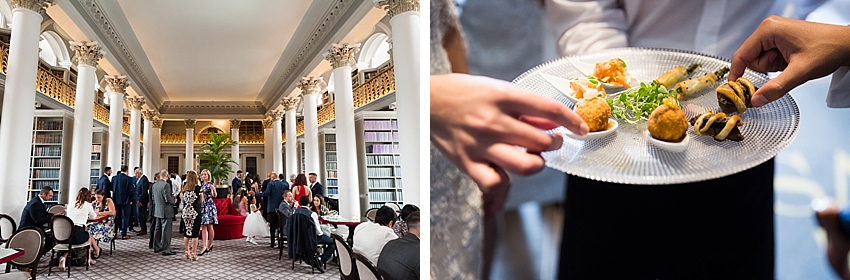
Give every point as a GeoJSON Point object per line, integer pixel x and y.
{"type": "Point", "coordinates": [134, 158]}
{"type": "Point", "coordinates": [190, 144]}
{"type": "Point", "coordinates": [405, 53]}
{"type": "Point", "coordinates": [156, 129]}
{"type": "Point", "coordinates": [268, 148]}
{"type": "Point", "coordinates": [342, 58]}
{"type": "Point", "coordinates": [86, 55]}
{"type": "Point", "coordinates": [277, 145]}
{"type": "Point", "coordinates": [116, 86]}
{"type": "Point", "coordinates": [291, 104]}
{"type": "Point", "coordinates": [18, 109]}
{"type": "Point", "coordinates": [147, 159]}
{"type": "Point", "coordinates": [234, 151]}
{"type": "Point", "coordinates": [310, 89]}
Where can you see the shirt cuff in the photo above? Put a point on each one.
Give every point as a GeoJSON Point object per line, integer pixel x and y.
{"type": "Point", "coordinates": [839, 89]}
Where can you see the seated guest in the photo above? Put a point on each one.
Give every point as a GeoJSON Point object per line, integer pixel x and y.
{"type": "Point", "coordinates": [80, 212]}
{"type": "Point", "coordinates": [35, 213]}
{"type": "Point", "coordinates": [370, 238]}
{"type": "Point", "coordinates": [323, 239]}
{"type": "Point", "coordinates": [102, 231]}
{"type": "Point", "coordinates": [289, 205]}
{"type": "Point", "coordinates": [400, 258]}
{"type": "Point", "coordinates": [401, 227]}
{"type": "Point", "coordinates": [318, 205]}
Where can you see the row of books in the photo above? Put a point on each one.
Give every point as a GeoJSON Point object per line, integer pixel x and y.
{"type": "Point", "coordinates": [44, 173]}
{"type": "Point", "coordinates": [46, 162]}
{"type": "Point", "coordinates": [333, 191]}
{"type": "Point", "coordinates": [94, 172]}
{"type": "Point", "coordinates": [380, 183]}
{"type": "Point", "coordinates": [95, 156]}
{"type": "Point", "coordinates": [47, 138]}
{"type": "Point", "coordinates": [387, 124]}
{"type": "Point", "coordinates": [55, 197]}
{"type": "Point", "coordinates": [330, 147]}
{"type": "Point", "coordinates": [41, 184]}
{"type": "Point", "coordinates": [381, 160]}
{"type": "Point", "coordinates": [332, 182]}
{"type": "Point", "coordinates": [382, 196]}
{"type": "Point", "coordinates": [381, 136]}
{"type": "Point", "coordinates": [330, 165]}
{"type": "Point", "coordinates": [48, 125]}
{"type": "Point", "coordinates": [382, 148]}
{"type": "Point", "coordinates": [95, 148]}
{"type": "Point", "coordinates": [330, 157]}
{"type": "Point", "coordinates": [330, 137]}
{"type": "Point", "coordinates": [331, 173]}
{"type": "Point", "coordinates": [93, 181]}
{"type": "Point", "coordinates": [47, 151]}
{"type": "Point", "coordinates": [379, 171]}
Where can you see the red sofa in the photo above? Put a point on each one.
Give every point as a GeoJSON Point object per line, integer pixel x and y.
{"type": "Point", "coordinates": [230, 222]}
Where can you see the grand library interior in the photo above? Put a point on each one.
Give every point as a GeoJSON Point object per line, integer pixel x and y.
{"type": "Point", "coordinates": [322, 96]}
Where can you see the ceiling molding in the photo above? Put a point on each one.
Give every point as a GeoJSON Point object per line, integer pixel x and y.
{"type": "Point", "coordinates": [212, 107]}
{"type": "Point", "coordinates": [94, 15]}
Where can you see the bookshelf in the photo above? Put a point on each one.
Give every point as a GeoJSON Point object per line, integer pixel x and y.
{"type": "Point", "coordinates": [302, 151]}
{"type": "Point", "coordinates": [99, 147]}
{"type": "Point", "coordinates": [328, 157]}
{"type": "Point", "coordinates": [378, 158]}
{"type": "Point", "coordinates": [51, 146]}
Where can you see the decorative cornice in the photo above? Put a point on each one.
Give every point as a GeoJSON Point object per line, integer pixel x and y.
{"type": "Point", "coordinates": [395, 7]}
{"type": "Point", "coordinates": [234, 123]}
{"type": "Point", "coordinates": [148, 115]}
{"type": "Point", "coordinates": [268, 123]}
{"type": "Point", "coordinates": [38, 6]}
{"type": "Point", "coordinates": [136, 103]}
{"type": "Point", "coordinates": [290, 103]}
{"type": "Point", "coordinates": [276, 115]}
{"type": "Point", "coordinates": [87, 53]}
{"type": "Point", "coordinates": [341, 55]}
{"type": "Point", "coordinates": [190, 123]}
{"type": "Point", "coordinates": [117, 83]}
{"type": "Point", "coordinates": [156, 122]}
{"type": "Point", "coordinates": [311, 85]}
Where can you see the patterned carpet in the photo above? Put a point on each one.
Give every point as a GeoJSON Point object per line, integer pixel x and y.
{"type": "Point", "coordinates": [230, 259]}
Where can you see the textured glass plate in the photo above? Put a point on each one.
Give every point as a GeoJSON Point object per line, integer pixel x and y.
{"type": "Point", "coordinates": [626, 157]}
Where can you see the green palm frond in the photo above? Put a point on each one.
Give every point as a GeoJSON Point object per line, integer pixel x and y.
{"type": "Point", "coordinates": [217, 162]}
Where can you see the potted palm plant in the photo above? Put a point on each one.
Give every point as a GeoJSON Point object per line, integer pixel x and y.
{"type": "Point", "coordinates": [217, 162]}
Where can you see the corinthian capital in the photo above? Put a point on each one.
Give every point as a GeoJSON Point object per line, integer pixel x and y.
{"type": "Point", "coordinates": [395, 7]}
{"type": "Point", "coordinates": [276, 115]}
{"type": "Point", "coordinates": [268, 123]}
{"type": "Point", "coordinates": [148, 115]}
{"type": "Point", "coordinates": [290, 103]}
{"type": "Point", "coordinates": [87, 53]}
{"type": "Point", "coordinates": [190, 123]}
{"type": "Point", "coordinates": [235, 123]}
{"type": "Point", "coordinates": [311, 85]}
{"type": "Point", "coordinates": [37, 6]}
{"type": "Point", "coordinates": [341, 55]}
{"type": "Point", "coordinates": [156, 122]}
{"type": "Point", "coordinates": [116, 83]}
{"type": "Point", "coordinates": [136, 103]}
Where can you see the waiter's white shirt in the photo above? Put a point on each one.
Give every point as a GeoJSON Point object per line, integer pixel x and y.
{"type": "Point", "coordinates": [370, 238]}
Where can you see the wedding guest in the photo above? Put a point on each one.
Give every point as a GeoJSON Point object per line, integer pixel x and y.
{"type": "Point", "coordinates": [318, 205]}
{"type": "Point", "coordinates": [236, 184]}
{"type": "Point", "coordinates": [191, 199]}
{"type": "Point", "coordinates": [123, 197]}
{"type": "Point", "coordinates": [289, 204]}
{"type": "Point", "coordinates": [300, 188]}
{"type": "Point", "coordinates": [142, 201]}
{"type": "Point", "coordinates": [273, 195]}
{"type": "Point", "coordinates": [80, 212]}
{"type": "Point", "coordinates": [254, 224]}
{"type": "Point", "coordinates": [102, 231]}
{"type": "Point", "coordinates": [370, 237]}
{"type": "Point", "coordinates": [103, 183]}
{"type": "Point", "coordinates": [242, 202]}
{"type": "Point", "coordinates": [175, 189]}
{"type": "Point", "coordinates": [163, 198]}
{"type": "Point", "coordinates": [401, 227]}
{"type": "Point", "coordinates": [400, 257]}
{"type": "Point", "coordinates": [315, 186]}
{"type": "Point", "coordinates": [35, 213]}
{"type": "Point", "coordinates": [323, 239]}
{"type": "Point", "coordinates": [209, 216]}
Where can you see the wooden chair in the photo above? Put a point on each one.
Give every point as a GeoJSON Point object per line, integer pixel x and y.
{"type": "Point", "coordinates": [29, 239]}
{"type": "Point", "coordinates": [281, 235]}
{"type": "Point", "coordinates": [365, 269]}
{"type": "Point", "coordinates": [57, 210]}
{"type": "Point", "coordinates": [370, 214]}
{"type": "Point", "coordinates": [7, 228]}
{"type": "Point", "coordinates": [62, 226]}
{"type": "Point", "coordinates": [347, 268]}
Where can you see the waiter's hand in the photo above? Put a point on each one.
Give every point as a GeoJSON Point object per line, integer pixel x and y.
{"type": "Point", "coordinates": [802, 50]}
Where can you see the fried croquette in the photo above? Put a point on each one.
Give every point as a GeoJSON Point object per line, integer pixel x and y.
{"type": "Point", "coordinates": [595, 112]}
{"type": "Point", "coordinates": [668, 122]}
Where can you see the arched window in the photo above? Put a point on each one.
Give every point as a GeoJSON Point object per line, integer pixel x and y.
{"type": "Point", "coordinates": [46, 52]}
{"type": "Point", "coordinates": [53, 49]}
{"type": "Point", "coordinates": [374, 51]}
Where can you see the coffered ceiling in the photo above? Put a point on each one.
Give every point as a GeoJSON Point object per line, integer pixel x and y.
{"type": "Point", "coordinates": [211, 57]}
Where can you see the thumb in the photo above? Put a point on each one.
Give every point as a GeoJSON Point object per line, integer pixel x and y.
{"type": "Point", "coordinates": [793, 76]}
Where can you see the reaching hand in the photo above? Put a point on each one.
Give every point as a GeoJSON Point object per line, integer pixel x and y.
{"type": "Point", "coordinates": [477, 122]}
{"type": "Point", "coordinates": [802, 50]}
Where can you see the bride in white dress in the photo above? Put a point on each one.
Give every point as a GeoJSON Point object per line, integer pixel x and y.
{"type": "Point", "coordinates": [255, 224]}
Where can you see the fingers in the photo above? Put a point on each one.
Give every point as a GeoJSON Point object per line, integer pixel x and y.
{"type": "Point", "coordinates": [519, 133]}
{"type": "Point", "coordinates": [520, 102]}
{"type": "Point", "coordinates": [487, 176]}
{"type": "Point", "coordinates": [514, 160]}
{"type": "Point", "coordinates": [540, 123]}
{"type": "Point", "coordinates": [793, 76]}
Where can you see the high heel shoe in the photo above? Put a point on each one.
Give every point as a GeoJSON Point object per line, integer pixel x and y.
{"type": "Point", "coordinates": [186, 253]}
{"type": "Point", "coordinates": [194, 257]}
{"type": "Point", "coordinates": [97, 256]}
{"type": "Point", "coordinates": [204, 252]}
{"type": "Point", "coordinates": [62, 264]}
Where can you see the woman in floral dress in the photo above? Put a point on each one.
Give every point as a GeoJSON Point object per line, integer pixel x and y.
{"type": "Point", "coordinates": [102, 231]}
{"type": "Point", "coordinates": [209, 216]}
{"type": "Point", "coordinates": [191, 198]}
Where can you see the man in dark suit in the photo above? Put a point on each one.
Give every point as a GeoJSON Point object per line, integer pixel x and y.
{"type": "Point", "coordinates": [142, 199]}
{"type": "Point", "coordinates": [400, 257]}
{"type": "Point", "coordinates": [35, 213]}
{"type": "Point", "coordinates": [236, 184]}
{"type": "Point", "coordinates": [123, 187]}
{"type": "Point", "coordinates": [273, 195]}
{"type": "Point", "coordinates": [315, 187]}
{"type": "Point", "coordinates": [104, 184]}
{"type": "Point", "coordinates": [162, 213]}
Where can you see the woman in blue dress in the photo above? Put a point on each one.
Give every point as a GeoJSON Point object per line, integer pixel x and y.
{"type": "Point", "coordinates": [209, 216]}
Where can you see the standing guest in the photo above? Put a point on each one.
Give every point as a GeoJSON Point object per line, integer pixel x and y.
{"type": "Point", "coordinates": [300, 188]}
{"type": "Point", "coordinates": [255, 183]}
{"type": "Point", "coordinates": [209, 216]}
{"type": "Point", "coordinates": [370, 238]}
{"type": "Point", "coordinates": [316, 187]}
{"type": "Point", "coordinates": [236, 184]}
{"type": "Point", "coordinates": [192, 206]}
{"type": "Point", "coordinates": [318, 205]}
{"type": "Point", "coordinates": [254, 225]}
{"type": "Point", "coordinates": [123, 187]}
{"type": "Point", "coordinates": [402, 227]}
{"type": "Point", "coordinates": [35, 213]}
{"type": "Point", "coordinates": [289, 205]}
{"type": "Point", "coordinates": [103, 182]}
{"type": "Point", "coordinates": [273, 195]}
{"type": "Point", "coordinates": [150, 207]}
{"type": "Point", "coordinates": [400, 258]}
{"type": "Point", "coordinates": [162, 212]}
{"type": "Point", "coordinates": [323, 239]}
{"type": "Point", "coordinates": [292, 180]}
{"type": "Point", "coordinates": [102, 231]}
{"type": "Point", "coordinates": [243, 203]}
{"type": "Point", "coordinates": [134, 201]}
{"type": "Point", "coordinates": [142, 200]}
{"type": "Point", "coordinates": [175, 190]}
{"type": "Point", "coordinates": [263, 201]}
{"type": "Point", "coordinates": [80, 212]}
